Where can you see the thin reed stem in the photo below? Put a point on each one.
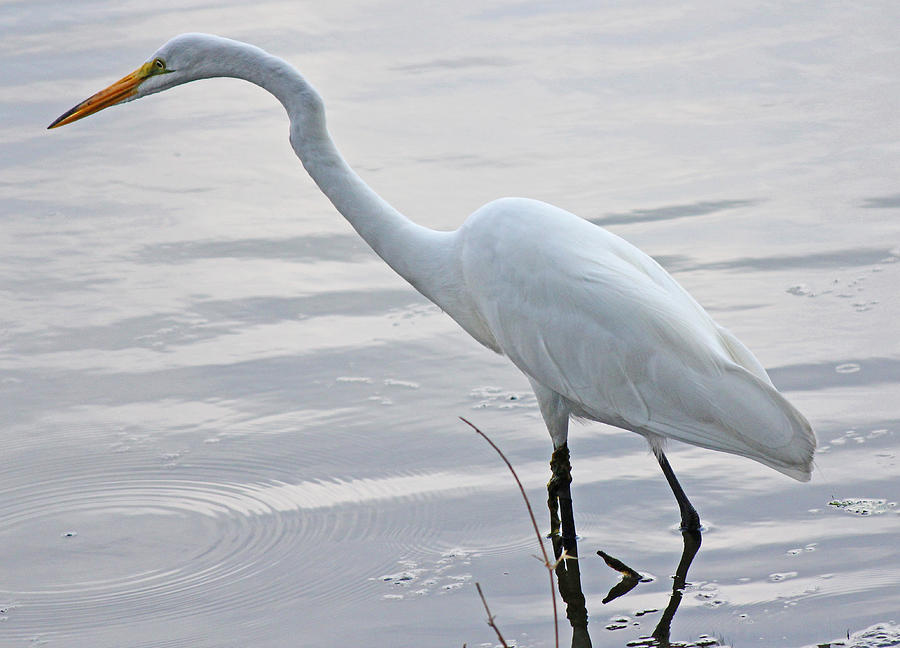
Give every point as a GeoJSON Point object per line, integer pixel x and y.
{"type": "Point", "coordinates": [551, 566]}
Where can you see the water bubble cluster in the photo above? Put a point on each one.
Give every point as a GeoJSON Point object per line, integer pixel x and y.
{"type": "Point", "coordinates": [880, 635]}
{"type": "Point", "coordinates": [436, 578]}
{"type": "Point", "coordinates": [864, 506]}
{"type": "Point", "coordinates": [500, 398]}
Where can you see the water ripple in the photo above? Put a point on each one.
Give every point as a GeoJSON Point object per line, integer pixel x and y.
{"type": "Point", "coordinates": [136, 543]}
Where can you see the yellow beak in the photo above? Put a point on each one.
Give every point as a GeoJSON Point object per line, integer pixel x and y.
{"type": "Point", "coordinates": [122, 89]}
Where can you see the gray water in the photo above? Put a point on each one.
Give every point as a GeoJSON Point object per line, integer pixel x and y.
{"type": "Point", "coordinates": [227, 423]}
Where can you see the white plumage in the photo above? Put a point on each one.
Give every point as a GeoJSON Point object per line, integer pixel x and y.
{"type": "Point", "coordinates": [599, 328]}
{"type": "Point", "coordinates": [595, 321]}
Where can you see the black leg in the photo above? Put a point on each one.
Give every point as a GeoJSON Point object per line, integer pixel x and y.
{"type": "Point", "coordinates": [560, 494]}
{"type": "Point", "coordinates": [690, 520]}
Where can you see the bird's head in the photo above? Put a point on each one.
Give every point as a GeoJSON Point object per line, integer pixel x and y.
{"type": "Point", "coordinates": [184, 58]}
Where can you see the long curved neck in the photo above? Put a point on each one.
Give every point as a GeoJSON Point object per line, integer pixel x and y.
{"type": "Point", "coordinates": [418, 254]}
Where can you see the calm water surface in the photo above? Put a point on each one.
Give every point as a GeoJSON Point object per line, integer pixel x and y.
{"type": "Point", "coordinates": [226, 423]}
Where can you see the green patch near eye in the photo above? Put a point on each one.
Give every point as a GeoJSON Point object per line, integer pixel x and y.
{"type": "Point", "coordinates": [154, 67]}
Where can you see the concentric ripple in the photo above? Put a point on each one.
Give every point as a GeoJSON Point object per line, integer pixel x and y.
{"type": "Point", "coordinates": [139, 541]}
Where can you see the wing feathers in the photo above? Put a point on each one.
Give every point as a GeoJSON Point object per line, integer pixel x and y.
{"type": "Point", "coordinates": [593, 319]}
{"type": "Point", "coordinates": [737, 412]}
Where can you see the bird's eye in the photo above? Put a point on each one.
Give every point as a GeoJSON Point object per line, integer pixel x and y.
{"type": "Point", "coordinates": [159, 64]}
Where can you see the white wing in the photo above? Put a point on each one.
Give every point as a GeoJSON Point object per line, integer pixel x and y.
{"type": "Point", "coordinates": [592, 318]}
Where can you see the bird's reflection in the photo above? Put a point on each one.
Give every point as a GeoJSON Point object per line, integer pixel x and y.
{"type": "Point", "coordinates": [568, 574]}
{"type": "Point", "coordinates": [691, 546]}
{"type": "Point", "coordinates": [568, 579]}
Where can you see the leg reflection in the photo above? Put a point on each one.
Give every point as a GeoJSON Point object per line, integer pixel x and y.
{"type": "Point", "coordinates": [691, 546]}
{"type": "Point", "coordinates": [568, 578]}
{"type": "Point", "coordinates": [568, 573]}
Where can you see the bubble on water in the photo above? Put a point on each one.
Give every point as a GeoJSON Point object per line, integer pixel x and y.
{"type": "Point", "coordinates": [353, 379]}
{"type": "Point", "coordinates": [781, 576]}
{"type": "Point", "coordinates": [502, 398]}
{"type": "Point", "coordinates": [434, 577]}
{"type": "Point", "coordinates": [456, 554]}
{"type": "Point", "coordinates": [847, 367]}
{"type": "Point", "coordinates": [618, 623]}
{"type": "Point", "coordinates": [403, 578]}
{"type": "Point", "coordinates": [800, 290]}
{"type": "Point", "coordinates": [863, 506]}
{"type": "Point", "coordinates": [880, 635]}
{"type": "Point", "coordinates": [408, 384]}
{"type": "Point", "coordinates": [703, 641]}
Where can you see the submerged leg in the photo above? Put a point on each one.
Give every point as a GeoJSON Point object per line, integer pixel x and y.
{"type": "Point", "coordinates": [559, 494]}
{"type": "Point", "coordinates": [690, 520]}
{"type": "Point", "coordinates": [555, 412]}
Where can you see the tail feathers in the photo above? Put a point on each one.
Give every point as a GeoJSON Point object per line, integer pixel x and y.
{"type": "Point", "coordinates": [742, 355]}
{"type": "Point", "coordinates": [740, 413]}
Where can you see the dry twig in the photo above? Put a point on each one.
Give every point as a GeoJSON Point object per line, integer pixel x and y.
{"type": "Point", "coordinates": [551, 566]}
{"type": "Point", "coordinates": [490, 617]}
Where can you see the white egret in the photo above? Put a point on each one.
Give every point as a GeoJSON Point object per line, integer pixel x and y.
{"type": "Point", "coordinates": [599, 328]}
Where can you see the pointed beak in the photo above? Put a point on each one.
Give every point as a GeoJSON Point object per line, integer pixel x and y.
{"type": "Point", "coordinates": [119, 91]}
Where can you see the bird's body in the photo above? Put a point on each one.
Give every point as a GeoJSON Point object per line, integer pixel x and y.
{"type": "Point", "coordinates": [598, 327]}
{"type": "Point", "coordinates": [604, 333]}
